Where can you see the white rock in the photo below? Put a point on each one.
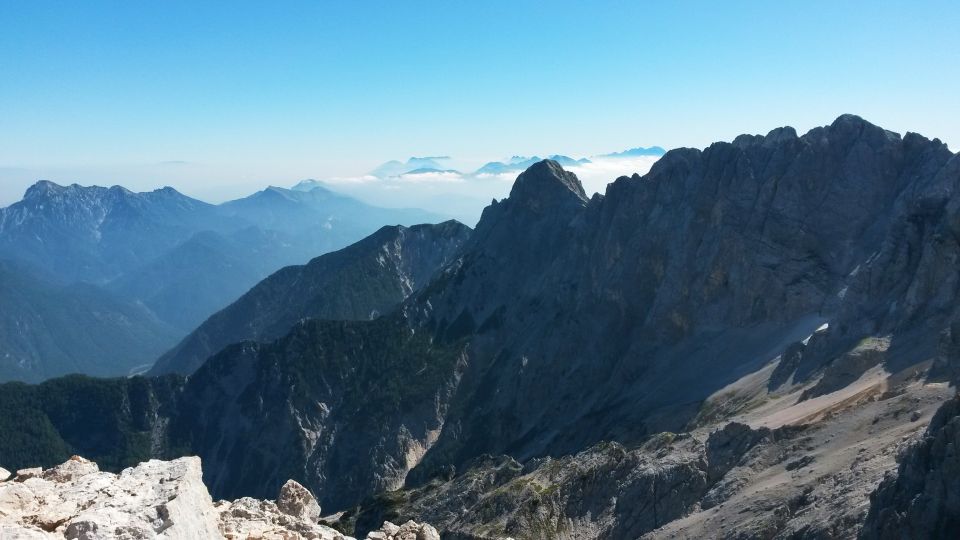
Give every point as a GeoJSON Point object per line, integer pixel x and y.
{"type": "Point", "coordinates": [160, 500]}
{"type": "Point", "coordinates": [297, 501]}
{"type": "Point", "coordinates": [427, 532]}
{"type": "Point", "coordinates": [252, 518]}
{"type": "Point", "coordinates": [73, 468]}
{"type": "Point", "coordinates": [390, 528]}
{"type": "Point", "coordinates": [157, 499]}
{"type": "Point", "coordinates": [8, 532]}
{"type": "Point", "coordinates": [4, 474]}
{"type": "Point", "coordinates": [26, 474]}
{"type": "Point", "coordinates": [410, 530]}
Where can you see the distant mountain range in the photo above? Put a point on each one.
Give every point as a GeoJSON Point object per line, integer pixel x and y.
{"type": "Point", "coordinates": [654, 151]}
{"type": "Point", "coordinates": [397, 168]}
{"type": "Point", "coordinates": [519, 163]}
{"type": "Point", "coordinates": [427, 170]}
{"type": "Point", "coordinates": [168, 259]}
{"type": "Point", "coordinates": [516, 164]}
{"type": "Point", "coordinates": [414, 165]}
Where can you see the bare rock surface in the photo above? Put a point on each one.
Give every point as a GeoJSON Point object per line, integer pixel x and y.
{"type": "Point", "coordinates": [156, 499]}
{"type": "Point", "coordinates": [159, 499]}
{"type": "Point", "coordinates": [296, 500]}
{"type": "Point", "coordinates": [411, 530]}
{"type": "Point", "coordinates": [773, 466]}
{"type": "Point", "coordinates": [922, 500]}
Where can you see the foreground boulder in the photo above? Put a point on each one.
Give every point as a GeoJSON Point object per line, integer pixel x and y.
{"type": "Point", "coordinates": [158, 499]}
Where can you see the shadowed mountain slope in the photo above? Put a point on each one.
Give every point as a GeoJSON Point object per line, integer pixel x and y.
{"type": "Point", "coordinates": [359, 282]}
{"type": "Point", "coordinates": [48, 329]}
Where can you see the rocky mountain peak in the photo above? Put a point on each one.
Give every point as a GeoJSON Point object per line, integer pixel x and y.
{"type": "Point", "coordinates": [546, 184]}
{"type": "Point", "coordinates": [43, 188]}
{"type": "Point", "coordinates": [850, 128]}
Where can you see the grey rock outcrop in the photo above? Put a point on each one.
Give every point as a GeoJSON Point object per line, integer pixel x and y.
{"type": "Point", "coordinates": [607, 491]}
{"type": "Point", "coordinates": [922, 498]}
{"type": "Point", "coordinates": [297, 501]}
{"type": "Point", "coordinates": [411, 530]}
{"type": "Point", "coordinates": [159, 499]}
{"type": "Point", "coordinates": [727, 446]}
{"type": "Point", "coordinates": [70, 470]}
{"type": "Point", "coordinates": [74, 500]}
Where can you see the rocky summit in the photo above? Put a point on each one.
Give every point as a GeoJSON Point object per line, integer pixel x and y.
{"type": "Point", "coordinates": [160, 499]}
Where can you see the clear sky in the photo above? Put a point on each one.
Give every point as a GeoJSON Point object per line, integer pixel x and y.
{"type": "Point", "coordinates": [216, 97]}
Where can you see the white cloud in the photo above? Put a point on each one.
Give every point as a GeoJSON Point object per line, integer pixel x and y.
{"type": "Point", "coordinates": [502, 177]}
{"type": "Point", "coordinates": [463, 195]}
{"type": "Point", "coordinates": [431, 176]}
{"type": "Point", "coordinates": [351, 179]}
{"type": "Point", "coordinates": [601, 171]}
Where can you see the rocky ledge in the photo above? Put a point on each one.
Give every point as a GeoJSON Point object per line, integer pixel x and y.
{"type": "Point", "coordinates": [159, 499]}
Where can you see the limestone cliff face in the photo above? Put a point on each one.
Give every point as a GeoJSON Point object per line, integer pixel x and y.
{"type": "Point", "coordinates": [616, 317]}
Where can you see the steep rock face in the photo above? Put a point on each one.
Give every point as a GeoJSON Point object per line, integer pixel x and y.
{"type": "Point", "coordinates": [359, 282]}
{"type": "Point", "coordinates": [344, 407]}
{"type": "Point", "coordinates": [623, 313]}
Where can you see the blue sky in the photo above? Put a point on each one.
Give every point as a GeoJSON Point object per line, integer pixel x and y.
{"type": "Point", "coordinates": [215, 97]}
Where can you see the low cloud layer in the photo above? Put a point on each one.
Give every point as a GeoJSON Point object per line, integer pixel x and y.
{"type": "Point", "coordinates": [464, 195]}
